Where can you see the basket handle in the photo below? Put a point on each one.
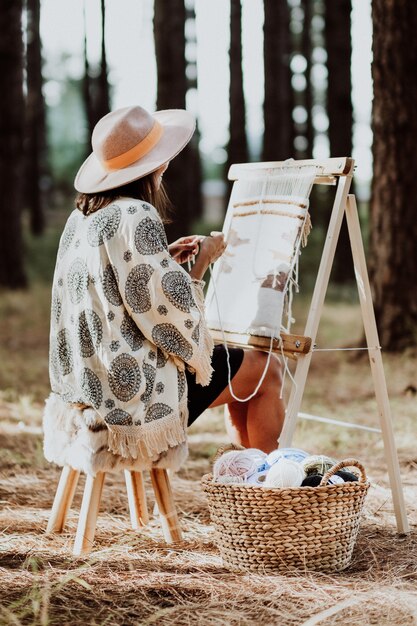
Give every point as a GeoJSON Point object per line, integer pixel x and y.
{"type": "Point", "coordinates": [339, 466]}
{"type": "Point", "coordinates": [227, 448]}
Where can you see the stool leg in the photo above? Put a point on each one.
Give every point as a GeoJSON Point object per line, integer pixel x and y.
{"type": "Point", "coordinates": [63, 499]}
{"type": "Point", "coordinates": [166, 505]}
{"type": "Point", "coordinates": [136, 496]}
{"type": "Point", "coordinates": [88, 515]}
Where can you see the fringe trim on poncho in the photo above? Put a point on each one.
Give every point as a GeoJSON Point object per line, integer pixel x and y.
{"type": "Point", "coordinates": [80, 439]}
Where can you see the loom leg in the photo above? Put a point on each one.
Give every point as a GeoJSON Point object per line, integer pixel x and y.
{"type": "Point", "coordinates": [63, 499]}
{"type": "Point", "coordinates": [166, 505]}
{"type": "Point", "coordinates": [136, 495]}
{"type": "Point", "coordinates": [377, 367]}
{"type": "Point", "coordinates": [88, 515]}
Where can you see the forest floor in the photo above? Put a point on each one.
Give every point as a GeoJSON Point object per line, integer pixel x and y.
{"type": "Point", "coordinates": [132, 577]}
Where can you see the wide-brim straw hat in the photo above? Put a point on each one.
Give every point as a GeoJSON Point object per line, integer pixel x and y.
{"type": "Point", "coordinates": [130, 143]}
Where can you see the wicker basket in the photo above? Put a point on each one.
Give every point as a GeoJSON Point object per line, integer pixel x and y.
{"type": "Point", "coordinates": [260, 529]}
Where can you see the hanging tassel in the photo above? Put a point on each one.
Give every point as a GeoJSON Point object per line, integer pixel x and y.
{"type": "Point", "coordinates": [306, 230]}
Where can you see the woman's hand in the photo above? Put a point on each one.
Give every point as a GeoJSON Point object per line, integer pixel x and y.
{"type": "Point", "coordinates": [211, 248]}
{"type": "Point", "coordinates": [184, 248]}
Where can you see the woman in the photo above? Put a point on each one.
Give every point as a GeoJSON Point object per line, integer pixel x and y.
{"type": "Point", "coordinates": [128, 336]}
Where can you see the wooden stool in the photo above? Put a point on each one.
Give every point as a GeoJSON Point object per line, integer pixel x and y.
{"type": "Point", "coordinates": [91, 503]}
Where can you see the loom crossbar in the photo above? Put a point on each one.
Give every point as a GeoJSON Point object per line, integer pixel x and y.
{"type": "Point", "coordinates": [330, 168]}
{"type": "Point", "coordinates": [290, 345]}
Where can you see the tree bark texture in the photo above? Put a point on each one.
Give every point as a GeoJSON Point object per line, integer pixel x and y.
{"type": "Point", "coordinates": [87, 90]}
{"type": "Point", "coordinates": [237, 148]}
{"type": "Point", "coordinates": [102, 105]}
{"type": "Point", "coordinates": [393, 223]}
{"type": "Point", "coordinates": [169, 22]}
{"type": "Point", "coordinates": [35, 140]}
{"type": "Point", "coordinates": [308, 94]}
{"type": "Point", "coordinates": [11, 146]}
{"type": "Point", "coordinates": [340, 110]}
{"type": "Point", "coordinates": [278, 101]}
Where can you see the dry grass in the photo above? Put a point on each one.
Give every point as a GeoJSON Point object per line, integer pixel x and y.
{"type": "Point", "coordinates": [133, 577]}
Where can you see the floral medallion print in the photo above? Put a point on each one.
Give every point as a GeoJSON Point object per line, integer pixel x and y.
{"type": "Point", "coordinates": [136, 290]}
{"type": "Point", "coordinates": [118, 417]}
{"type": "Point", "coordinates": [63, 352]}
{"type": "Point", "coordinates": [159, 387]}
{"type": "Point", "coordinates": [182, 383]}
{"type": "Point", "coordinates": [168, 338]}
{"type": "Point", "coordinates": [67, 236]}
{"type": "Point", "coordinates": [157, 411]}
{"type": "Point", "coordinates": [127, 256]}
{"type": "Point", "coordinates": [91, 388]}
{"type": "Point", "coordinates": [150, 374]}
{"type": "Point", "coordinates": [124, 377]}
{"type": "Point", "coordinates": [164, 263]}
{"type": "Point", "coordinates": [56, 307]}
{"type": "Point", "coordinates": [177, 290]}
{"type": "Point", "coordinates": [162, 310]}
{"type": "Point", "coordinates": [89, 332]}
{"type": "Point", "coordinates": [110, 316]}
{"type": "Point", "coordinates": [114, 346]}
{"type": "Point", "coordinates": [131, 209]}
{"type": "Point", "coordinates": [150, 237]}
{"type": "Point", "coordinates": [195, 335]}
{"type": "Point", "coordinates": [104, 225]}
{"type": "Point", "coordinates": [110, 283]}
{"type": "Point", "coordinates": [131, 333]}
{"type": "Point", "coordinates": [161, 358]}
{"type": "Point", "coordinates": [109, 404]}
{"type": "Point", "coordinates": [188, 324]}
{"type": "Point", "coordinates": [77, 280]}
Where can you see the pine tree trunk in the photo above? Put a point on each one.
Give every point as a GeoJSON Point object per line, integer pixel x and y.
{"type": "Point", "coordinates": [279, 133]}
{"type": "Point", "coordinates": [102, 104]}
{"type": "Point", "coordinates": [11, 146]}
{"type": "Point", "coordinates": [340, 110]}
{"type": "Point", "coordinates": [195, 197]}
{"type": "Point", "coordinates": [237, 149]}
{"type": "Point", "coordinates": [87, 90]}
{"type": "Point", "coordinates": [35, 140]}
{"type": "Point", "coordinates": [169, 21]}
{"type": "Point", "coordinates": [393, 224]}
{"type": "Point", "coordinates": [308, 95]}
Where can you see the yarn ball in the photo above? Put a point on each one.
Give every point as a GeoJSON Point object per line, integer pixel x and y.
{"type": "Point", "coordinates": [285, 473]}
{"type": "Point", "coordinates": [314, 480]}
{"type": "Point", "coordinates": [317, 464]}
{"type": "Point", "coordinates": [236, 464]}
{"type": "Point", "coordinates": [258, 478]}
{"type": "Point", "coordinates": [348, 477]}
{"type": "Point", "coordinates": [259, 456]}
{"type": "Point", "coordinates": [293, 454]}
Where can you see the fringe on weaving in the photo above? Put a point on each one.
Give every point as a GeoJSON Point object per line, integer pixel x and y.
{"type": "Point", "coordinates": [138, 441]}
{"type": "Point", "coordinates": [306, 230]}
{"type": "Point", "coordinates": [202, 364]}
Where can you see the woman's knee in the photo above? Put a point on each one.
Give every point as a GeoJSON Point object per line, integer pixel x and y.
{"type": "Point", "coordinates": [258, 362]}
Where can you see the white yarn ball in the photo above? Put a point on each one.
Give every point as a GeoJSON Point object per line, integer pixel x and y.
{"type": "Point", "coordinates": [236, 463]}
{"type": "Point", "coordinates": [285, 473]}
{"type": "Point", "coordinates": [259, 456]}
{"type": "Point", "coordinates": [293, 454]}
{"type": "Point", "coordinates": [258, 478]}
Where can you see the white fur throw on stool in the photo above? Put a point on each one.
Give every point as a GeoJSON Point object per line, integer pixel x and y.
{"type": "Point", "coordinates": [78, 438]}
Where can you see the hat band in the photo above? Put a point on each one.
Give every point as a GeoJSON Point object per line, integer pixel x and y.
{"type": "Point", "coordinates": [137, 152]}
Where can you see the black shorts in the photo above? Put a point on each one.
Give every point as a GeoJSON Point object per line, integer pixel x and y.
{"type": "Point", "coordinates": [200, 398]}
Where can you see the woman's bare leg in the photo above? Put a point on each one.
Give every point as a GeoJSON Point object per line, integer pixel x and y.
{"type": "Point", "coordinates": [259, 420]}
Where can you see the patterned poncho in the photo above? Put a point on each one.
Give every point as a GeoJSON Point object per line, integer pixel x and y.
{"type": "Point", "coordinates": [126, 320]}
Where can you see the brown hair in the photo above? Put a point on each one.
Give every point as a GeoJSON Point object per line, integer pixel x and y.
{"type": "Point", "coordinates": [142, 189]}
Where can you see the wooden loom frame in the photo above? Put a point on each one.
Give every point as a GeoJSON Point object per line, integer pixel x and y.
{"type": "Point", "coordinates": [339, 171]}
